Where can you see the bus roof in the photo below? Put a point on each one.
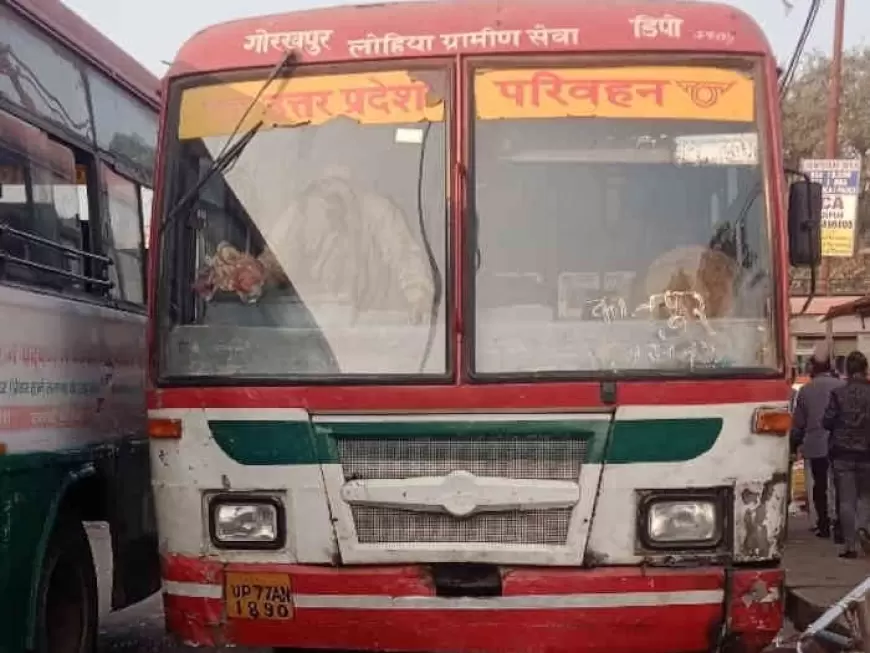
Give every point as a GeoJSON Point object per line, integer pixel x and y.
{"type": "Point", "coordinates": [449, 27]}
{"type": "Point", "coordinates": [88, 42]}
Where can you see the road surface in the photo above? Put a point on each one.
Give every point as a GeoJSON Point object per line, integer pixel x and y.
{"type": "Point", "coordinates": [140, 630]}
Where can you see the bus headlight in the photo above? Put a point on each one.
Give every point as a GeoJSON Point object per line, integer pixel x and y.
{"type": "Point", "coordinates": [237, 522]}
{"type": "Point", "coordinates": [683, 522]}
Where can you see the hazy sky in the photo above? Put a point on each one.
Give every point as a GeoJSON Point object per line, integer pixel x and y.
{"type": "Point", "coordinates": [152, 31]}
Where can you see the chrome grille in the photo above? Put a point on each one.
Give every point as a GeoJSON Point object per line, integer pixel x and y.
{"type": "Point", "coordinates": [542, 458]}
{"type": "Point", "coordinates": [520, 457]}
{"type": "Point", "coordinates": [375, 525]}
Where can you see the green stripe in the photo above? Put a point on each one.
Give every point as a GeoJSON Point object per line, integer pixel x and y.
{"type": "Point", "coordinates": [662, 440]}
{"type": "Point", "coordinates": [300, 443]}
{"type": "Point", "coordinates": [270, 442]}
{"type": "Point", "coordinates": [297, 443]}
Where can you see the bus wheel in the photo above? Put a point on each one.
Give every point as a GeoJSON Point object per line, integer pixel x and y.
{"type": "Point", "coordinates": [68, 603]}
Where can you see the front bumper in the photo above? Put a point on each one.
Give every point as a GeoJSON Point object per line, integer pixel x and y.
{"type": "Point", "coordinates": [618, 610]}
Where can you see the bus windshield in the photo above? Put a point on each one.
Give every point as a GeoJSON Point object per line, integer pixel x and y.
{"type": "Point", "coordinates": [617, 222]}
{"type": "Point", "coordinates": [320, 252]}
{"type": "Point", "coordinates": [620, 222]}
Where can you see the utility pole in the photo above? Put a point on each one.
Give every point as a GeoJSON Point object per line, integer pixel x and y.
{"type": "Point", "coordinates": [832, 142]}
{"type": "Point", "coordinates": [833, 123]}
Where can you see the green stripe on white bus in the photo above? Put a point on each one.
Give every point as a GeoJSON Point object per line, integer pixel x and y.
{"type": "Point", "coordinates": [632, 441]}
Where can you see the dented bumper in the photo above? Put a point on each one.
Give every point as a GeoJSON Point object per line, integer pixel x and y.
{"type": "Point", "coordinates": [535, 611]}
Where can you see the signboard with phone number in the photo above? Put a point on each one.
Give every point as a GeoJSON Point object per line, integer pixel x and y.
{"type": "Point", "coordinates": [841, 185]}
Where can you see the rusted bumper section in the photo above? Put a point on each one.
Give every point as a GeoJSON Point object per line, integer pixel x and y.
{"type": "Point", "coordinates": [536, 611]}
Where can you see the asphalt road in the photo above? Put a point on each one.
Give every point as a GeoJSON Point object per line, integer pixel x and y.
{"type": "Point", "coordinates": [140, 629]}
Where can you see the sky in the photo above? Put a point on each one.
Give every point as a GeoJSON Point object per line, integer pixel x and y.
{"type": "Point", "coordinates": [153, 31]}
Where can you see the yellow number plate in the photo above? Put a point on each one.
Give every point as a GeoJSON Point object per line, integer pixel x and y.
{"type": "Point", "coordinates": [258, 596]}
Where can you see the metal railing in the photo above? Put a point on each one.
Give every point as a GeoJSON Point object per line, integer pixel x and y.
{"type": "Point", "coordinates": [854, 609]}
{"type": "Point", "coordinates": [103, 262]}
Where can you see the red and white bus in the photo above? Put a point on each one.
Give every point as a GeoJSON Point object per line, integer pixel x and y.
{"type": "Point", "coordinates": [469, 329]}
{"type": "Point", "coordinates": [78, 138]}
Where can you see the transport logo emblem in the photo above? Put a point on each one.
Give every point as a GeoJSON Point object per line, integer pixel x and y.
{"type": "Point", "coordinates": [460, 493]}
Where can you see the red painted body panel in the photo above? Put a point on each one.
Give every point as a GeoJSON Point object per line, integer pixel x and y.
{"type": "Point", "coordinates": [753, 611]}
{"type": "Point", "coordinates": [643, 630]}
{"type": "Point", "coordinates": [604, 26]}
{"type": "Point", "coordinates": [757, 606]}
{"type": "Point", "coordinates": [495, 397]}
{"type": "Point", "coordinates": [100, 51]}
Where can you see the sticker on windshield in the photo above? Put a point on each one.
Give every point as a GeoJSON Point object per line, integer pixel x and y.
{"type": "Point", "coordinates": [717, 149]}
{"type": "Point", "coordinates": [411, 136]}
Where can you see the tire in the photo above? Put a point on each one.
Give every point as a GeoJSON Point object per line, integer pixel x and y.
{"type": "Point", "coordinates": [67, 612]}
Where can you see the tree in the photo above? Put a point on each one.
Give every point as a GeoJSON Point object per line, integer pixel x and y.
{"type": "Point", "coordinates": [804, 114]}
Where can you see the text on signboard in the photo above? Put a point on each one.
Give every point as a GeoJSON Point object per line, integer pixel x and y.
{"type": "Point", "coordinates": [615, 92]}
{"type": "Point", "coordinates": [314, 42]}
{"type": "Point", "coordinates": [618, 92]}
{"type": "Point", "coordinates": [650, 27]}
{"type": "Point", "coordinates": [359, 101]}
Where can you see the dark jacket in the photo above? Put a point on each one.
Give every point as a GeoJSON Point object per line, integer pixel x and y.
{"type": "Point", "coordinates": [809, 408]}
{"type": "Point", "coordinates": [848, 420]}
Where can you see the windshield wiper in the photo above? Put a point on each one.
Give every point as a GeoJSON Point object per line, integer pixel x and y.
{"type": "Point", "coordinates": [229, 153]}
{"type": "Point", "coordinates": [220, 164]}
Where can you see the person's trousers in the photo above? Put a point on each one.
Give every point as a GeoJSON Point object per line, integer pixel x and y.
{"type": "Point", "coordinates": [824, 495]}
{"type": "Point", "coordinates": [852, 479]}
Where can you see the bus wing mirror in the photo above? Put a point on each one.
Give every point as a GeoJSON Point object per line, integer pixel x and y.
{"type": "Point", "coordinates": [805, 224]}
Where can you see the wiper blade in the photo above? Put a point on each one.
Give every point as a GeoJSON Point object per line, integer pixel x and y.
{"type": "Point", "coordinates": [229, 153]}
{"type": "Point", "coordinates": [220, 164]}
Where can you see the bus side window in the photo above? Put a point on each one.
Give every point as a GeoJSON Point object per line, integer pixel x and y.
{"type": "Point", "coordinates": [15, 209]}
{"type": "Point", "coordinates": [123, 236]}
{"type": "Point", "coordinates": [56, 217]}
{"type": "Point", "coordinates": [40, 204]}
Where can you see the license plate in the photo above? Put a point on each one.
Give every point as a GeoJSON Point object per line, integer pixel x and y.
{"type": "Point", "coordinates": [258, 596]}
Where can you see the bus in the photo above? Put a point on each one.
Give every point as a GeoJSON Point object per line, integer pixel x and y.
{"type": "Point", "coordinates": [468, 329]}
{"type": "Point", "coordinates": [78, 137]}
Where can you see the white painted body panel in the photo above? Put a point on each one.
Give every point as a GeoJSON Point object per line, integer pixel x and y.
{"type": "Point", "coordinates": [321, 530]}
{"type": "Point", "coordinates": [72, 373]}
{"type": "Point", "coordinates": [738, 458]}
{"type": "Point", "coordinates": [182, 470]}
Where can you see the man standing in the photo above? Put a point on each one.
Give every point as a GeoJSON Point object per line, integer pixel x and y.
{"type": "Point", "coordinates": [810, 436]}
{"type": "Point", "coordinates": [848, 420]}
